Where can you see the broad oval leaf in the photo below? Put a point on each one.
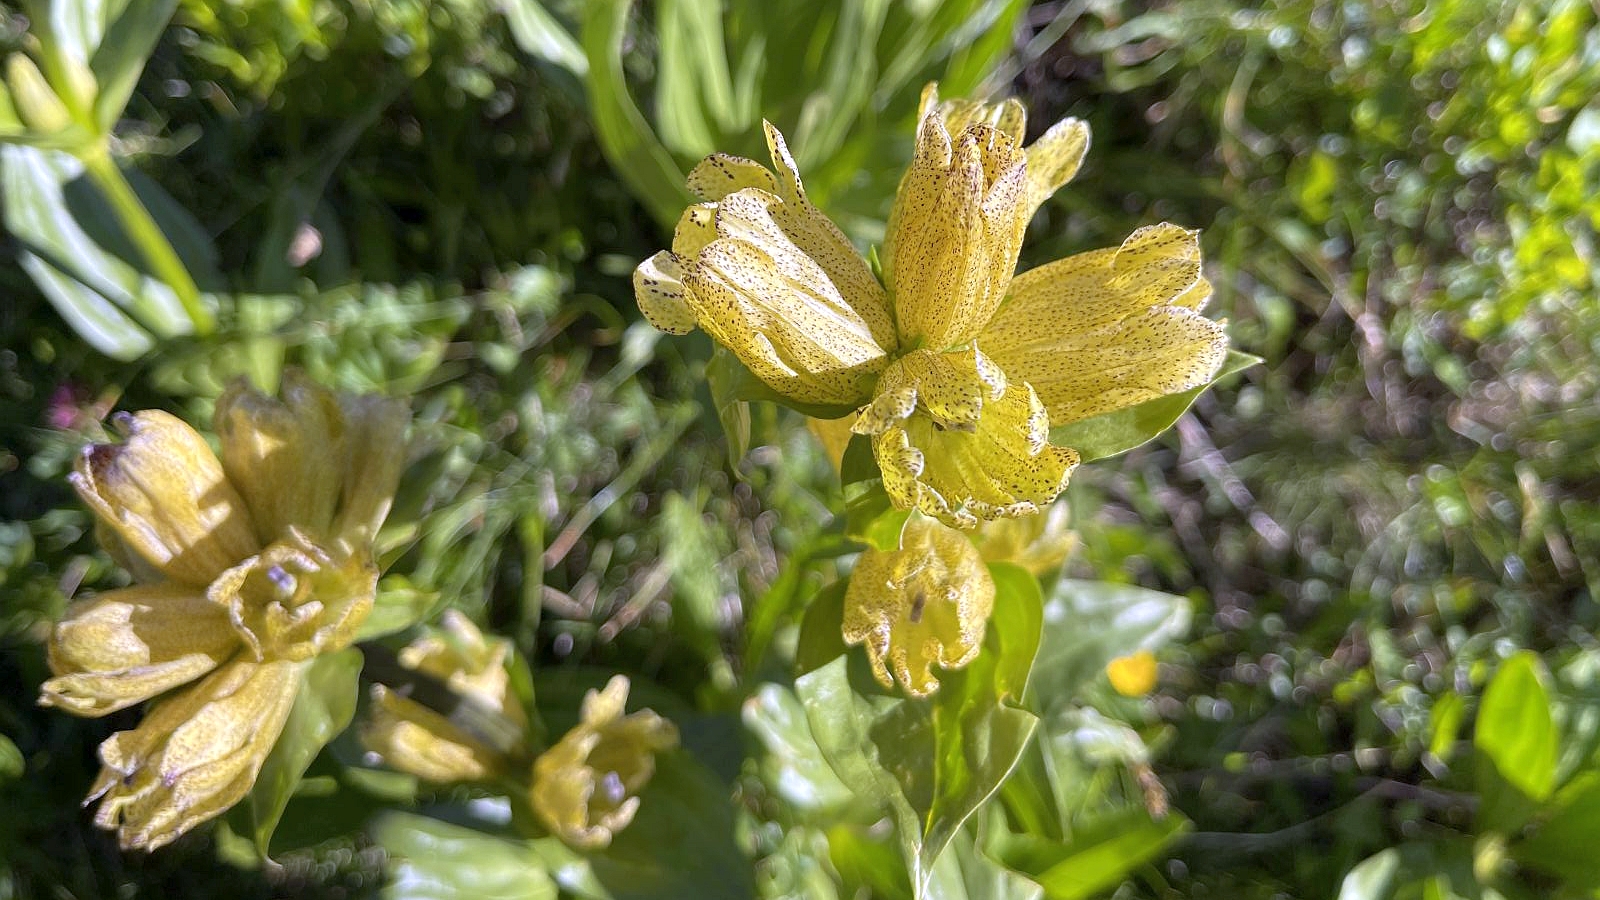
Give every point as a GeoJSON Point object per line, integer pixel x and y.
{"type": "Point", "coordinates": [1122, 430]}
{"type": "Point", "coordinates": [1087, 624]}
{"type": "Point", "coordinates": [1517, 743]}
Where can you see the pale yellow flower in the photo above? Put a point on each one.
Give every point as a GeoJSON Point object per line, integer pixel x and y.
{"type": "Point", "coordinates": [1040, 544]}
{"type": "Point", "coordinates": [922, 605]}
{"type": "Point", "coordinates": [420, 741]}
{"type": "Point", "coordinates": [248, 576]}
{"type": "Point", "coordinates": [959, 369]}
{"type": "Point", "coordinates": [586, 787]}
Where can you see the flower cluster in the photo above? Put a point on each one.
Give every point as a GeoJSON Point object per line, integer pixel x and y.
{"type": "Point", "coordinates": [248, 568]}
{"type": "Point", "coordinates": [957, 369]}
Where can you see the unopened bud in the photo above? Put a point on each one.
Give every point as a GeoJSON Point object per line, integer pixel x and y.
{"type": "Point", "coordinates": [37, 104]}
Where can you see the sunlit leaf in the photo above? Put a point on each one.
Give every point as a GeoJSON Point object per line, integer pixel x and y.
{"type": "Point", "coordinates": [539, 35]}
{"type": "Point", "coordinates": [322, 709]}
{"type": "Point", "coordinates": [117, 62]}
{"type": "Point", "coordinates": [1100, 855]}
{"type": "Point", "coordinates": [930, 763]}
{"type": "Point", "coordinates": [1516, 741]}
{"type": "Point", "coordinates": [629, 142]}
{"type": "Point", "coordinates": [432, 860]}
{"type": "Point", "coordinates": [1116, 432]}
{"type": "Point", "coordinates": [71, 246]}
{"type": "Point", "coordinates": [1564, 844]}
{"type": "Point", "coordinates": [1087, 624]}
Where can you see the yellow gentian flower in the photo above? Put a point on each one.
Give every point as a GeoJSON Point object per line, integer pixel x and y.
{"type": "Point", "coordinates": [921, 605]}
{"type": "Point", "coordinates": [419, 741]}
{"type": "Point", "coordinates": [252, 565]}
{"type": "Point", "coordinates": [958, 369]}
{"type": "Point", "coordinates": [586, 787]}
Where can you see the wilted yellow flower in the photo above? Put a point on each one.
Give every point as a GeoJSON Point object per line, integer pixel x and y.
{"type": "Point", "coordinates": [922, 605]}
{"type": "Point", "coordinates": [586, 787]}
{"type": "Point", "coordinates": [420, 741]}
{"type": "Point", "coordinates": [958, 368]}
{"type": "Point", "coordinates": [1133, 675]}
{"type": "Point", "coordinates": [248, 573]}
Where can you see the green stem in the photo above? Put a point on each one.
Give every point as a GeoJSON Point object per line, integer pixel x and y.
{"type": "Point", "coordinates": [147, 236]}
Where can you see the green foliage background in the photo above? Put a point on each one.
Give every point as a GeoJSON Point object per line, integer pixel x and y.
{"type": "Point", "coordinates": [1389, 531]}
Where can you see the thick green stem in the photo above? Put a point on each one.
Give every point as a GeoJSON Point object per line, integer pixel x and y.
{"type": "Point", "coordinates": [147, 236]}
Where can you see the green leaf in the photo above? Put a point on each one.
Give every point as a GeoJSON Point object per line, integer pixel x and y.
{"type": "Point", "coordinates": [1122, 430]}
{"type": "Point", "coordinates": [1444, 724]}
{"type": "Point", "coordinates": [1564, 845]}
{"type": "Point", "coordinates": [968, 873]}
{"type": "Point", "coordinates": [539, 35]}
{"type": "Point", "coordinates": [821, 629]}
{"type": "Point", "coordinates": [1374, 878]}
{"type": "Point", "coordinates": [636, 154]}
{"type": "Point", "coordinates": [1516, 742]}
{"type": "Point", "coordinates": [859, 463]}
{"type": "Point", "coordinates": [399, 605]}
{"type": "Point", "coordinates": [12, 765]}
{"type": "Point", "coordinates": [432, 860]}
{"type": "Point", "coordinates": [1100, 855]}
{"type": "Point", "coordinates": [1440, 870]}
{"type": "Point", "coordinates": [792, 764]}
{"type": "Point", "coordinates": [118, 61]}
{"type": "Point", "coordinates": [84, 264]}
{"type": "Point", "coordinates": [694, 90]}
{"type": "Point", "coordinates": [726, 379]}
{"type": "Point", "coordinates": [931, 763]}
{"type": "Point", "coordinates": [1087, 624]}
{"type": "Point", "coordinates": [322, 709]}
{"type": "Point", "coordinates": [657, 856]}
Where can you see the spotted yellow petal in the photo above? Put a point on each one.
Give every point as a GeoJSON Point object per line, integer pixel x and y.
{"type": "Point", "coordinates": [954, 233]}
{"type": "Point", "coordinates": [1054, 159]}
{"type": "Point", "coordinates": [128, 645]}
{"type": "Point", "coordinates": [818, 238]}
{"type": "Point", "coordinates": [1111, 328]}
{"type": "Point", "coordinates": [164, 495]}
{"type": "Point", "coordinates": [758, 295]}
{"type": "Point", "coordinates": [950, 388]}
{"type": "Point", "coordinates": [284, 455]}
{"type": "Point", "coordinates": [1005, 466]}
{"type": "Point", "coordinates": [375, 455]}
{"type": "Point", "coordinates": [922, 605]}
{"type": "Point", "coordinates": [195, 754]}
{"type": "Point", "coordinates": [720, 174]}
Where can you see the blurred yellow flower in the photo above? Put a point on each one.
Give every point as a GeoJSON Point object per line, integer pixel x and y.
{"type": "Point", "coordinates": [1133, 675]}
{"type": "Point", "coordinates": [417, 740]}
{"type": "Point", "coordinates": [252, 565]}
{"type": "Point", "coordinates": [922, 605]}
{"type": "Point", "coordinates": [960, 433]}
{"type": "Point", "coordinates": [586, 787]}
{"type": "Point", "coordinates": [1039, 544]}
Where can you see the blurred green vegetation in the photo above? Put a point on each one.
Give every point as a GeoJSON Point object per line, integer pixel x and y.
{"type": "Point", "coordinates": [1389, 532]}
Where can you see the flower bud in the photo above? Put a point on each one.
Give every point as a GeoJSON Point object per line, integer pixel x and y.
{"type": "Point", "coordinates": [586, 788]}
{"type": "Point", "coordinates": [36, 102]}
